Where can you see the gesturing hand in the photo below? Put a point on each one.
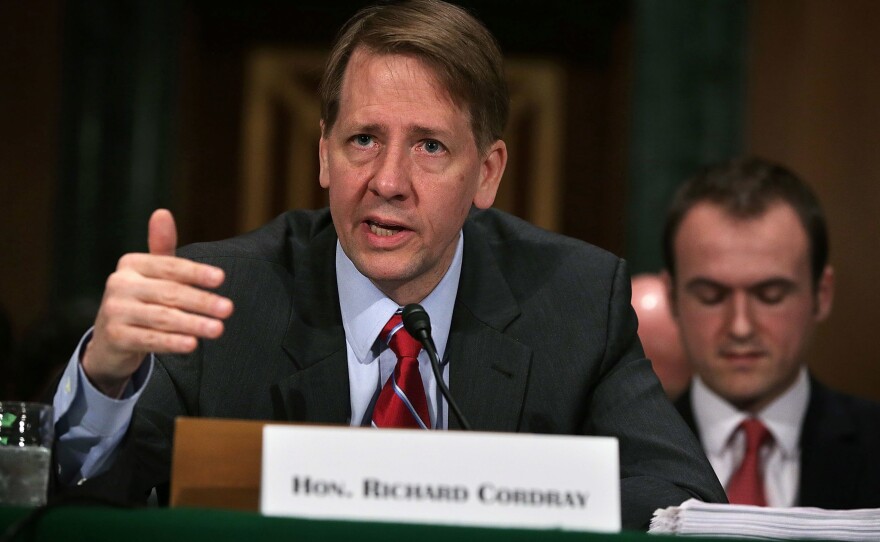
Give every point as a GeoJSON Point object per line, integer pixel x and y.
{"type": "Point", "coordinates": [153, 302]}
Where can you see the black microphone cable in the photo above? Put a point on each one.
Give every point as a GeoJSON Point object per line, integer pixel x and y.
{"type": "Point", "coordinates": [418, 324]}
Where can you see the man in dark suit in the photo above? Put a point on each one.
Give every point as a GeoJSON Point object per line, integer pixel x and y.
{"type": "Point", "coordinates": [535, 330]}
{"type": "Point", "coordinates": [748, 278]}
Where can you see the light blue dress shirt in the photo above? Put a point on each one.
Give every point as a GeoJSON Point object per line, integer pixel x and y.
{"type": "Point", "coordinates": [366, 310]}
{"type": "Point", "coordinates": [89, 425]}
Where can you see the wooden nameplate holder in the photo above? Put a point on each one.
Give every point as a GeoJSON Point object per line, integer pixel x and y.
{"type": "Point", "coordinates": [216, 463]}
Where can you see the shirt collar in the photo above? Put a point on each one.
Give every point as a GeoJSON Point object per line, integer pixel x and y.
{"type": "Point", "coordinates": [365, 309]}
{"type": "Point", "coordinates": [717, 419]}
{"type": "Point", "coordinates": [784, 417]}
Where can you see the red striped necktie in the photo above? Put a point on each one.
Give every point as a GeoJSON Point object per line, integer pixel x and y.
{"type": "Point", "coordinates": [402, 401]}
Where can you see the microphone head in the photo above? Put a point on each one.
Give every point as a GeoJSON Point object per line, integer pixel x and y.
{"type": "Point", "coordinates": [416, 321]}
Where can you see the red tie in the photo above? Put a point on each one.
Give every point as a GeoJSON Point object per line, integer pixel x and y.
{"type": "Point", "coordinates": [746, 486]}
{"type": "Point", "coordinates": [402, 401]}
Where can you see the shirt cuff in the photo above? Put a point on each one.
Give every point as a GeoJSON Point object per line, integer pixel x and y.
{"type": "Point", "coordinates": [90, 409]}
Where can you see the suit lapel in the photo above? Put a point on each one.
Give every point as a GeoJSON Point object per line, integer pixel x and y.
{"type": "Point", "coordinates": [686, 410]}
{"type": "Point", "coordinates": [829, 452]}
{"type": "Point", "coordinates": [318, 390]}
{"type": "Point", "coordinates": [488, 370]}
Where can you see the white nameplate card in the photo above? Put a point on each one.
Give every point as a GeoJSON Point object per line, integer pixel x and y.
{"type": "Point", "coordinates": [448, 477]}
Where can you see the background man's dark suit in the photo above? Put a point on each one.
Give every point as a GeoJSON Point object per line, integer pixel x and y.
{"type": "Point", "coordinates": [543, 340]}
{"type": "Point", "coordinates": [840, 447]}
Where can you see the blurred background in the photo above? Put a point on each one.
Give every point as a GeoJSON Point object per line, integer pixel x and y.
{"type": "Point", "coordinates": [110, 108]}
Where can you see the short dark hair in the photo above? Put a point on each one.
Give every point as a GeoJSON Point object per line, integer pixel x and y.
{"type": "Point", "coordinates": [463, 53]}
{"type": "Point", "coordinates": [745, 188]}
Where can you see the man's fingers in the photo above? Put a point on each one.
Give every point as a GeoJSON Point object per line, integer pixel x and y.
{"type": "Point", "coordinates": [143, 291]}
{"type": "Point", "coordinates": [162, 233]}
{"type": "Point", "coordinates": [140, 339]}
{"type": "Point", "coordinates": [163, 319]}
{"type": "Point", "coordinates": [188, 299]}
{"type": "Point", "coordinates": [170, 268]}
{"type": "Point", "coordinates": [153, 302]}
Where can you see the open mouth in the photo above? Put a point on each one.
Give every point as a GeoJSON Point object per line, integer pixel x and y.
{"type": "Point", "coordinates": [384, 230]}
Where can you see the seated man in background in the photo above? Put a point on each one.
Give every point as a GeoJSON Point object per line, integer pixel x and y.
{"type": "Point", "coordinates": [746, 251]}
{"type": "Point", "coordinates": [535, 330]}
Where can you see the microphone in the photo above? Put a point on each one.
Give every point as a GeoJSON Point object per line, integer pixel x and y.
{"type": "Point", "coordinates": [418, 324]}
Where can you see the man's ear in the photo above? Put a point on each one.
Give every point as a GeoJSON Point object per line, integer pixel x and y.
{"type": "Point", "coordinates": [323, 152]}
{"type": "Point", "coordinates": [669, 284]}
{"type": "Point", "coordinates": [825, 294]}
{"type": "Point", "coordinates": [491, 171]}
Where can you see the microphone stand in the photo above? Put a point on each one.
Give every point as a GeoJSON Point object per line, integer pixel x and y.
{"type": "Point", "coordinates": [418, 324]}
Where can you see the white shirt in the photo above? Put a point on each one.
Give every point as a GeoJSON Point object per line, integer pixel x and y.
{"type": "Point", "coordinates": [717, 422]}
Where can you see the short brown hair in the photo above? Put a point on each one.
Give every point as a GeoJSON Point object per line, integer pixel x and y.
{"type": "Point", "coordinates": [462, 52]}
{"type": "Point", "coordinates": [745, 188]}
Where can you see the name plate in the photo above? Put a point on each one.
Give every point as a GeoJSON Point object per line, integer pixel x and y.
{"type": "Point", "coordinates": [463, 478]}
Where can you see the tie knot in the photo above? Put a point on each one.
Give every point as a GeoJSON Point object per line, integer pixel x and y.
{"type": "Point", "coordinates": [756, 432]}
{"type": "Point", "coordinates": [402, 343]}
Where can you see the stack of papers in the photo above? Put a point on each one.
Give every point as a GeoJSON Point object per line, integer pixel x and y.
{"type": "Point", "coordinates": [697, 518]}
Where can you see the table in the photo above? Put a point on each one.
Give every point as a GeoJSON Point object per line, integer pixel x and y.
{"type": "Point", "coordinates": [98, 523]}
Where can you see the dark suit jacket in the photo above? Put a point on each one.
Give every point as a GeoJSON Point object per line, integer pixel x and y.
{"type": "Point", "coordinates": [840, 449]}
{"type": "Point", "coordinates": [543, 340]}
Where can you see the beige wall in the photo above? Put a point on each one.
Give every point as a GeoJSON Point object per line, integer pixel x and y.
{"type": "Point", "coordinates": [814, 105]}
